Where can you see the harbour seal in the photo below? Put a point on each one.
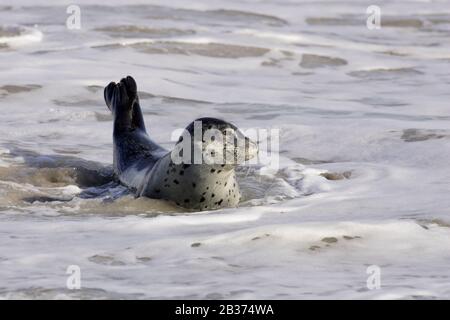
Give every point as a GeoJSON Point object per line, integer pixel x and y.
{"type": "Point", "coordinates": [178, 175]}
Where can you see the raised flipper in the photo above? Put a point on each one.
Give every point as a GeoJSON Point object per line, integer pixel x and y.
{"type": "Point", "coordinates": [118, 102]}
{"type": "Point", "coordinates": [137, 120]}
{"type": "Point", "coordinates": [123, 101]}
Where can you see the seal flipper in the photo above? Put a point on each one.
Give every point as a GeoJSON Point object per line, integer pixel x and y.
{"type": "Point", "coordinates": [108, 94]}
{"type": "Point", "coordinates": [121, 106]}
{"type": "Point", "coordinates": [137, 120]}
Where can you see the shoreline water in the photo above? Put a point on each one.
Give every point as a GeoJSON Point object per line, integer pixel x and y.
{"type": "Point", "coordinates": [364, 147]}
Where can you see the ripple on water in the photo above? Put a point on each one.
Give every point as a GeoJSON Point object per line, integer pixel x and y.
{"type": "Point", "coordinates": [78, 102]}
{"type": "Point", "coordinates": [414, 135]}
{"type": "Point", "coordinates": [213, 17]}
{"type": "Point", "coordinates": [213, 50]}
{"type": "Point", "coordinates": [335, 21]}
{"type": "Point", "coordinates": [351, 20]}
{"type": "Point", "coordinates": [10, 89]}
{"type": "Point", "coordinates": [132, 31]}
{"type": "Point", "coordinates": [385, 74]}
{"type": "Point", "coordinates": [244, 16]}
{"type": "Point", "coordinates": [311, 61]}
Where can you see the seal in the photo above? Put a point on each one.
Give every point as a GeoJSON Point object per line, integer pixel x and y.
{"type": "Point", "coordinates": [198, 174]}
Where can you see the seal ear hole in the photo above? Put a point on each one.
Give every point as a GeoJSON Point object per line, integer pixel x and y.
{"type": "Point", "coordinates": [186, 200]}
{"type": "Point", "coordinates": [193, 184]}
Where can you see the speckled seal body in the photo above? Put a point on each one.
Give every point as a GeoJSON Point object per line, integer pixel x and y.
{"type": "Point", "coordinates": [194, 186]}
{"type": "Point", "coordinates": [154, 172]}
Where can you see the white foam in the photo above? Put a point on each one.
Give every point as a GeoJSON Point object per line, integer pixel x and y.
{"type": "Point", "coordinates": [27, 36]}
